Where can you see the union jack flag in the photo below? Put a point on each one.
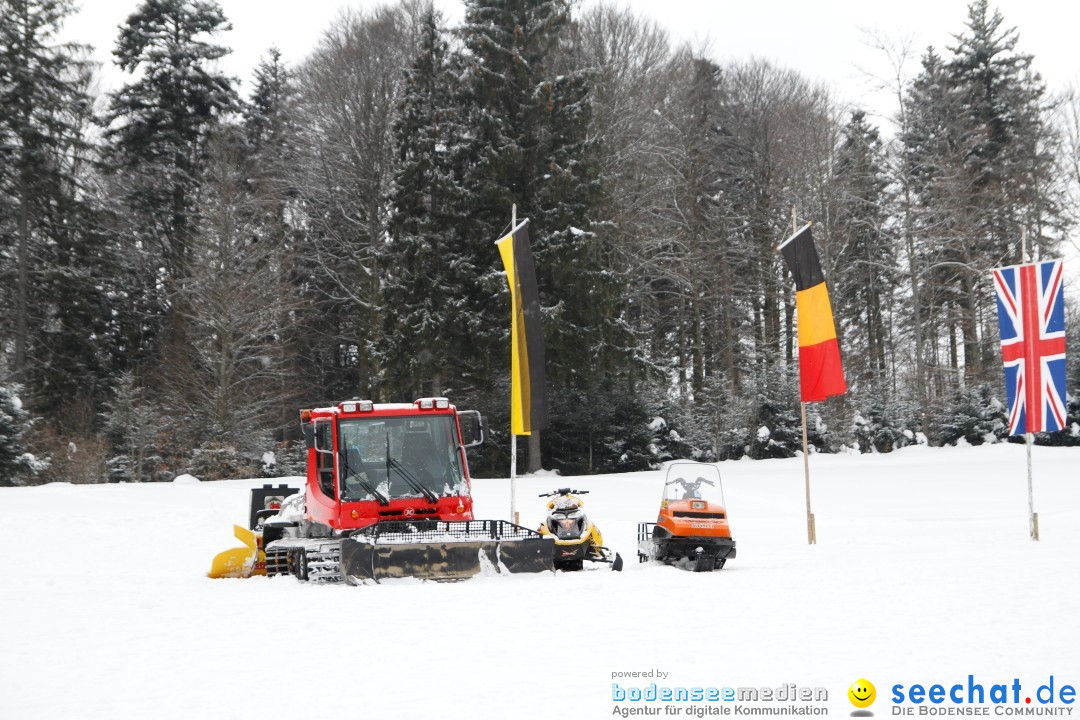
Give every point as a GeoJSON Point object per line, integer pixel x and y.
{"type": "Point", "coordinates": [1031, 311]}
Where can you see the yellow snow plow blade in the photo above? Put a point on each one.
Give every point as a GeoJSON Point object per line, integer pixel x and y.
{"type": "Point", "coordinates": [240, 562]}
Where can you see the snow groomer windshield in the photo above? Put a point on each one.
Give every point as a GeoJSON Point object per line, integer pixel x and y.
{"type": "Point", "coordinates": [400, 457]}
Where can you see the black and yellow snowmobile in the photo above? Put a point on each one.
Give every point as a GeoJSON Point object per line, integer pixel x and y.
{"type": "Point", "coordinates": [577, 538]}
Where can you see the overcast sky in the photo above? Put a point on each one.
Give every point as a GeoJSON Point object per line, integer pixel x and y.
{"type": "Point", "coordinates": [825, 40]}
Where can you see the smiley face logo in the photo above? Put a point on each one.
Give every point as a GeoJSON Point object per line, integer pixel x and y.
{"type": "Point", "coordinates": [862, 693]}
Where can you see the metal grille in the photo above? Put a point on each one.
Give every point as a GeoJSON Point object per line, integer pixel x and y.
{"type": "Point", "coordinates": [277, 562]}
{"type": "Point", "coordinates": [644, 536]}
{"type": "Point", "coordinates": [444, 531]}
{"type": "Point", "coordinates": [705, 515]}
{"type": "Point", "coordinates": [401, 513]}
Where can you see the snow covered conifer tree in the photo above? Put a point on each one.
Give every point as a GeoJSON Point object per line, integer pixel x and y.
{"type": "Point", "coordinates": [52, 261]}
{"type": "Point", "coordinates": [975, 416]}
{"type": "Point", "coordinates": [1071, 434]}
{"type": "Point", "coordinates": [131, 425]}
{"type": "Point", "coordinates": [265, 119]}
{"type": "Point", "coordinates": [979, 146]}
{"type": "Point", "coordinates": [271, 130]}
{"type": "Point", "coordinates": [160, 122]}
{"type": "Point", "coordinates": [884, 427]}
{"type": "Point", "coordinates": [41, 87]}
{"type": "Point", "coordinates": [778, 431]}
{"type": "Point", "coordinates": [15, 460]}
{"type": "Point", "coordinates": [528, 144]}
{"type": "Point", "coordinates": [425, 275]}
{"type": "Point", "coordinates": [864, 265]}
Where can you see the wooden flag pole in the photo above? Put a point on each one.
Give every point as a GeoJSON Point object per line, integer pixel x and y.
{"type": "Point", "coordinates": [1029, 438]}
{"type": "Point", "coordinates": [513, 437]}
{"type": "Point", "coordinates": [1033, 517]}
{"type": "Point", "coordinates": [811, 529]}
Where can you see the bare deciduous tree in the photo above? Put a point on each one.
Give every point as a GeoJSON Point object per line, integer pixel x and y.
{"type": "Point", "coordinates": [225, 383]}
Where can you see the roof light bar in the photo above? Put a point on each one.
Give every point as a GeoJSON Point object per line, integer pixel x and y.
{"type": "Point", "coordinates": [353, 406]}
{"type": "Point", "coordinates": [439, 403]}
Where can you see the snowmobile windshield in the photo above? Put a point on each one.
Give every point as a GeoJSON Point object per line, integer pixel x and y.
{"type": "Point", "coordinates": [400, 457]}
{"type": "Point", "coordinates": [693, 481]}
{"type": "Point", "coordinates": [567, 525]}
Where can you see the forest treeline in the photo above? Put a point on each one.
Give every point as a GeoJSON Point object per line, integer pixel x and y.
{"type": "Point", "coordinates": [182, 268]}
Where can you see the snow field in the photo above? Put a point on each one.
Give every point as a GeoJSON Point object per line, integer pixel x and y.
{"type": "Point", "coordinates": [923, 573]}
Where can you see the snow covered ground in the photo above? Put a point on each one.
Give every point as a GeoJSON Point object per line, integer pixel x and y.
{"type": "Point", "coordinates": [923, 574]}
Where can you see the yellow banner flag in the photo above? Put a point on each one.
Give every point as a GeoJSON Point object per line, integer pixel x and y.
{"type": "Point", "coordinates": [528, 411]}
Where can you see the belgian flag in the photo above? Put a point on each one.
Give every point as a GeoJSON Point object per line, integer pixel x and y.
{"type": "Point", "coordinates": [820, 371]}
{"type": "Point", "coordinates": [528, 411]}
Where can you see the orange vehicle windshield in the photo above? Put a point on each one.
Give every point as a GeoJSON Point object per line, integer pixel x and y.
{"type": "Point", "coordinates": [693, 481]}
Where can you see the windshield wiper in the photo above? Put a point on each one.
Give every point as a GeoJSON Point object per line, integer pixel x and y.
{"type": "Point", "coordinates": [379, 497]}
{"type": "Point", "coordinates": [413, 482]}
{"type": "Point", "coordinates": [382, 499]}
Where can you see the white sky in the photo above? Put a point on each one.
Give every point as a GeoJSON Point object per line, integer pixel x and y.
{"type": "Point", "coordinates": [825, 40]}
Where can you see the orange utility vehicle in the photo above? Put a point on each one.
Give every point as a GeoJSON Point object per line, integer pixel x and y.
{"type": "Point", "coordinates": [692, 530]}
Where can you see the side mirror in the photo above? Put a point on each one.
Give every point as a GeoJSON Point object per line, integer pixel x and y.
{"type": "Point", "coordinates": [472, 428]}
{"type": "Point", "coordinates": [309, 434]}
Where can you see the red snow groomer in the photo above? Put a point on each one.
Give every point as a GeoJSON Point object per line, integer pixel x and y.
{"type": "Point", "coordinates": [388, 495]}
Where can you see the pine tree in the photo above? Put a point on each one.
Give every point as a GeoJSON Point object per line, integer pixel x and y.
{"type": "Point", "coordinates": [1071, 434]}
{"type": "Point", "coordinates": [425, 276]}
{"type": "Point", "coordinates": [864, 263]}
{"type": "Point", "coordinates": [973, 415]}
{"type": "Point", "coordinates": [978, 148]}
{"type": "Point", "coordinates": [60, 348]}
{"type": "Point", "coordinates": [159, 123]}
{"type": "Point", "coordinates": [131, 424]}
{"type": "Point", "coordinates": [777, 431]}
{"type": "Point", "coordinates": [885, 426]}
{"type": "Point", "coordinates": [1007, 163]}
{"type": "Point", "coordinates": [74, 352]}
{"type": "Point", "coordinates": [16, 462]}
{"type": "Point", "coordinates": [930, 154]}
{"type": "Point", "coordinates": [529, 145]}
{"type": "Point", "coordinates": [266, 122]}
{"type": "Point", "coordinates": [43, 98]}
{"type": "Point", "coordinates": [1006, 159]}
